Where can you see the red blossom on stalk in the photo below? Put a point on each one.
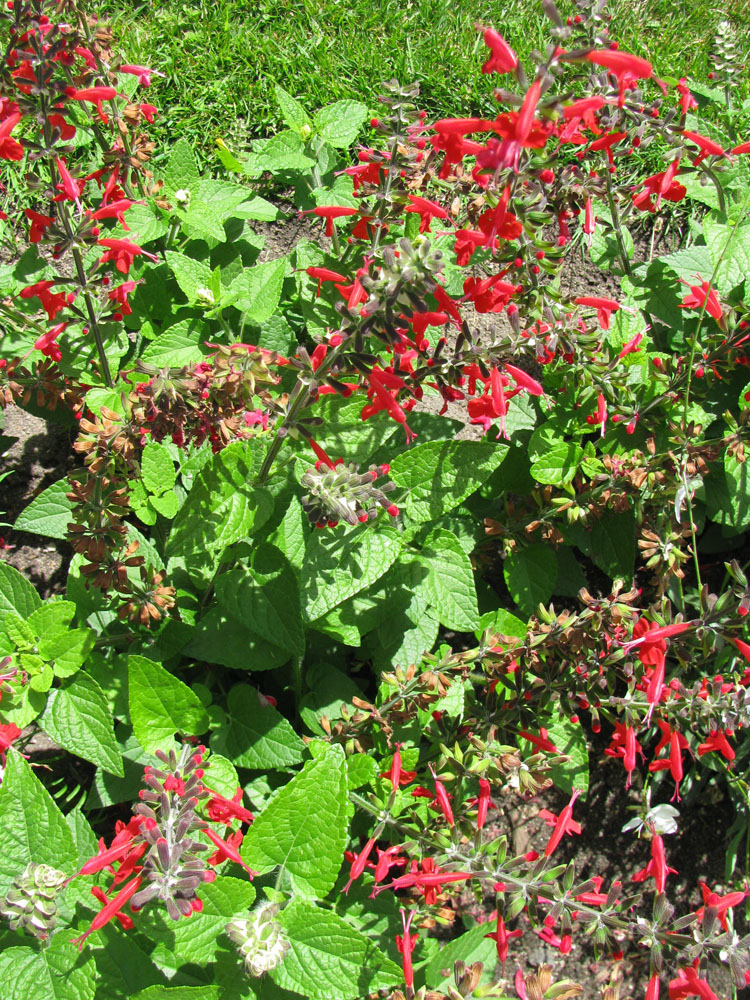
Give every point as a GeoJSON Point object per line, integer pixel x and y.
{"type": "Point", "coordinates": [110, 910]}
{"type": "Point", "coordinates": [405, 944]}
{"type": "Point", "coordinates": [47, 343]}
{"type": "Point", "coordinates": [625, 66]}
{"type": "Point", "coordinates": [39, 224]}
{"type": "Point", "coordinates": [721, 904]}
{"type": "Point", "coordinates": [9, 733]}
{"type": "Point", "coordinates": [657, 868]}
{"type": "Point", "coordinates": [359, 863]}
{"type": "Point", "coordinates": [542, 741]}
{"type": "Point", "coordinates": [52, 303]}
{"type": "Point", "coordinates": [443, 801]}
{"type": "Point", "coordinates": [703, 296]}
{"type": "Point", "coordinates": [330, 213]}
{"type": "Point", "coordinates": [10, 148]}
{"type": "Point", "coordinates": [395, 773]}
{"type": "Point", "coordinates": [673, 763]}
{"type": "Point", "coordinates": [96, 95]}
{"type": "Point", "coordinates": [604, 307]}
{"type": "Point", "coordinates": [142, 72]}
{"type": "Point", "coordinates": [564, 823]}
{"type": "Point", "coordinates": [223, 810]}
{"type": "Point", "coordinates": [716, 742]}
{"type": "Point", "coordinates": [501, 936]}
{"type": "Point", "coordinates": [502, 57]}
{"type": "Point", "coordinates": [689, 984]}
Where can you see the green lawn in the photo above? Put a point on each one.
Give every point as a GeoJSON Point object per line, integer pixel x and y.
{"type": "Point", "coordinates": [222, 58]}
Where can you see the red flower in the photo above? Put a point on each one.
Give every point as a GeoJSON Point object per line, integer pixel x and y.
{"type": "Point", "coordinates": [719, 903]}
{"type": "Point", "coordinates": [443, 800]}
{"type": "Point", "coordinates": [688, 984]}
{"type": "Point", "coordinates": [144, 75]}
{"type": "Point", "coordinates": [10, 148]}
{"type": "Point", "coordinates": [9, 732]}
{"type": "Point", "coordinates": [541, 741]}
{"type": "Point", "coordinates": [228, 850]}
{"type": "Point", "coordinates": [502, 58]}
{"type": "Point", "coordinates": [329, 213]}
{"type": "Point", "coordinates": [96, 95]}
{"type": "Point", "coordinates": [47, 343]}
{"type": "Point", "coordinates": [223, 810]}
{"type": "Point", "coordinates": [405, 945]}
{"type": "Point", "coordinates": [51, 303]}
{"type": "Point", "coordinates": [604, 307]}
{"type": "Point", "coordinates": [122, 252]}
{"type": "Point", "coordinates": [395, 773]}
{"type": "Point", "coordinates": [626, 67]}
{"type": "Point", "coordinates": [707, 146]}
{"type": "Point", "coordinates": [677, 743]}
{"type": "Point", "coordinates": [701, 296]}
{"type": "Point", "coordinates": [564, 823]}
{"type": "Point", "coordinates": [657, 867]}
{"type": "Point", "coordinates": [359, 863]}
{"type": "Point", "coordinates": [111, 909]}
{"type": "Point", "coordinates": [123, 919]}
{"type": "Point", "coordinates": [116, 210]}
{"type": "Point", "coordinates": [39, 224]}
{"type": "Point", "coordinates": [716, 742]}
{"type": "Point", "coordinates": [501, 937]}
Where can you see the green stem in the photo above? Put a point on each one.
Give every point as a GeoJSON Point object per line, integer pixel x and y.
{"type": "Point", "coordinates": [617, 226]}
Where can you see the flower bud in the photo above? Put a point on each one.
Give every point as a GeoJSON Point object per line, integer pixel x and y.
{"type": "Point", "coordinates": [31, 902]}
{"type": "Point", "coordinates": [259, 938]}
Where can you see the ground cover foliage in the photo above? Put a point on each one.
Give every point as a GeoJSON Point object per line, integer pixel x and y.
{"type": "Point", "coordinates": [312, 635]}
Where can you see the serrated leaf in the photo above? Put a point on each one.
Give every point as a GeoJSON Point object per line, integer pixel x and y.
{"type": "Point", "coordinates": [16, 593]}
{"type": "Point", "coordinates": [530, 575]}
{"type": "Point", "coordinates": [161, 705]}
{"type": "Point", "coordinates": [729, 245]}
{"type": "Point", "coordinates": [265, 598]}
{"type": "Point", "coordinates": [304, 829]}
{"type": "Point", "coordinates": [54, 616]}
{"type": "Point", "coordinates": [257, 208]}
{"type": "Point", "coordinates": [181, 172]}
{"type": "Point", "coordinates": [78, 718]}
{"type": "Point", "coordinates": [613, 546]}
{"type": "Point", "coordinates": [48, 514]}
{"type": "Point", "coordinates": [32, 828]}
{"type": "Point", "coordinates": [146, 224]}
{"type": "Point", "coordinates": [339, 123]}
{"type": "Point", "coordinates": [290, 536]}
{"type": "Point", "coordinates": [159, 992]}
{"type": "Point", "coordinates": [283, 151]}
{"type": "Point", "coordinates": [192, 275]}
{"type": "Point", "coordinates": [473, 946]}
{"type": "Point", "coordinates": [256, 290]}
{"type": "Point", "coordinates": [558, 465]}
{"type": "Point", "coordinates": [450, 582]}
{"type": "Point", "coordinates": [256, 735]}
{"type": "Point", "coordinates": [570, 739]}
{"type": "Point", "coordinates": [122, 967]}
{"type": "Point", "coordinates": [439, 475]}
{"type": "Point", "coordinates": [201, 220]}
{"type": "Point", "coordinates": [294, 115]}
{"type": "Point", "coordinates": [239, 648]}
{"type": "Point", "coordinates": [198, 941]}
{"type": "Point", "coordinates": [222, 506]}
{"type": "Point", "coordinates": [328, 959]}
{"type": "Point", "coordinates": [181, 344]}
{"type": "Point", "coordinates": [157, 468]}
{"type": "Point", "coordinates": [56, 972]}
{"type": "Point", "coordinates": [67, 651]}
{"type": "Point", "coordinates": [338, 565]}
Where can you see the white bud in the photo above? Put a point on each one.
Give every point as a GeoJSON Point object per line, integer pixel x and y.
{"type": "Point", "coordinates": [182, 197]}
{"type": "Point", "coordinates": [259, 938]}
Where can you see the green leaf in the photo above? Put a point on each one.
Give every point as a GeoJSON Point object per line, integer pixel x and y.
{"type": "Point", "coordinates": [613, 544]}
{"type": "Point", "coordinates": [294, 115]}
{"type": "Point", "coordinates": [16, 593]}
{"type": "Point", "coordinates": [180, 345]}
{"type": "Point", "coordinates": [558, 465]}
{"type": "Point", "coordinates": [256, 290]}
{"type": "Point", "coordinates": [239, 648]}
{"type": "Point", "coordinates": [181, 172]}
{"type": "Point", "coordinates": [222, 506]}
{"type": "Point", "coordinates": [530, 575]}
{"type": "Point", "coordinates": [159, 992]}
{"type": "Point", "coordinates": [473, 946]}
{"type": "Point", "coordinates": [450, 582]}
{"type": "Point", "coordinates": [32, 828]}
{"type": "Point", "coordinates": [257, 208]}
{"type": "Point", "coordinates": [67, 651]}
{"type": "Point", "coordinates": [56, 972]}
{"type": "Point", "coordinates": [339, 565]}
{"type": "Point", "coordinates": [48, 514]}
{"type": "Point", "coordinates": [193, 276]}
{"type": "Point", "coordinates": [122, 967]}
{"type": "Point", "coordinates": [290, 536]}
{"type": "Point", "coordinates": [304, 828]}
{"type": "Point", "coordinates": [569, 739]}
{"type": "Point", "coordinates": [198, 940]}
{"type": "Point", "coordinates": [329, 959]}
{"type": "Point", "coordinates": [201, 220]}
{"type": "Point", "coordinates": [157, 468]}
{"type": "Point", "coordinates": [283, 151]}
{"type": "Point", "coordinates": [339, 123]}
{"type": "Point", "coordinates": [78, 718]}
{"type": "Point", "coordinates": [729, 244]}
{"type": "Point", "coordinates": [147, 225]}
{"type": "Point", "coordinates": [54, 615]}
{"type": "Point", "coordinates": [265, 598]}
{"type": "Point", "coordinates": [256, 735]}
{"type": "Point", "coordinates": [439, 475]}
{"type": "Point", "coordinates": [161, 705]}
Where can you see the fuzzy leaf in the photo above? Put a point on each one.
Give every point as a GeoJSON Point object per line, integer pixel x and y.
{"type": "Point", "coordinates": [157, 468]}
{"type": "Point", "coordinates": [304, 828]}
{"type": "Point", "coordinates": [530, 574]}
{"type": "Point", "coordinates": [56, 972]}
{"type": "Point", "coordinates": [78, 718]}
{"type": "Point", "coordinates": [439, 475]}
{"type": "Point", "coordinates": [613, 546]}
{"type": "Point", "coordinates": [16, 593]}
{"type": "Point", "coordinates": [328, 958]}
{"type": "Point", "coordinates": [256, 290]}
{"type": "Point", "coordinates": [265, 598]}
{"type": "Point", "coordinates": [256, 735]}
{"type": "Point", "coordinates": [161, 705]}
{"type": "Point", "coordinates": [179, 345]}
{"type": "Point", "coordinates": [49, 513]}
{"type": "Point", "coordinates": [450, 582]}
{"type": "Point", "coordinates": [192, 275]}
{"type": "Point", "coordinates": [292, 112]}
{"type": "Point", "coordinates": [181, 172]}
{"type": "Point", "coordinates": [341, 564]}
{"type": "Point", "coordinates": [222, 506]}
{"type": "Point", "coordinates": [32, 828]}
{"type": "Point", "coordinates": [339, 123]}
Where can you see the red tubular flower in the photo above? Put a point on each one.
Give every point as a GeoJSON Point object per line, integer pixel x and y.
{"type": "Point", "coordinates": [427, 210]}
{"type": "Point", "coordinates": [142, 72]}
{"type": "Point", "coordinates": [719, 903]}
{"type": "Point", "coordinates": [51, 303]}
{"type": "Point", "coordinates": [501, 937]}
{"type": "Point", "coordinates": [9, 732]}
{"type": "Point", "coordinates": [657, 867]}
{"type": "Point", "coordinates": [600, 417]}
{"type": "Point", "coordinates": [541, 741]}
{"type": "Point", "coordinates": [583, 107]}
{"type": "Point", "coordinates": [717, 743]}
{"type": "Point", "coordinates": [39, 224]}
{"type": "Point", "coordinates": [223, 810]}
{"type": "Point", "coordinates": [652, 990]}
{"type": "Point", "coordinates": [443, 801]}
{"type": "Point", "coordinates": [564, 823]}
{"type": "Point", "coordinates": [707, 146]}
{"type": "Point", "coordinates": [122, 253]}
{"type": "Point", "coordinates": [68, 186]}
{"type": "Point", "coordinates": [228, 849]}
{"type": "Point", "coordinates": [677, 743]}
{"type": "Point", "coordinates": [604, 307]}
{"type": "Point", "coordinates": [703, 295]}
{"type": "Point", "coordinates": [396, 774]}
{"type": "Point", "coordinates": [47, 343]}
{"type": "Point", "coordinates": [386, 860]}
{"type": "Point", "coordinates": [634, 344]}
{"type": "Point", "coordinates": [96, 95]}
{"type": "Point", "coordinates": [110, 910]}
{"type": "Point", "coordinates": [405, 945]}
{"type": "Point", "coordinates": [523, 380]}
{"type": "Point", "coordinates": [502, 58]}
{"type": "Point", "coordinates": [483, 803]}
{"type": "Point", "coordinates": [623, 65]}
{"type": "Point", "coordinates": [10, 148]}
{"type": "Point", "coordinates": [688, 984]}
{"type": "Point", "coordinates": [359, 863]}
{"type": "Point", "coordinates": [123, 919]}
{"type": "Point", "coordinates": [116, 210]}
{"type": "Point", "coordinates": [324, 274]}
{"type": "Point", "coordinates": [329, 213]}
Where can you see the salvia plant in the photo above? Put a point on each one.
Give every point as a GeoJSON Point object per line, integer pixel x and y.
{"type": "Point", "coordinates": [376, 540]}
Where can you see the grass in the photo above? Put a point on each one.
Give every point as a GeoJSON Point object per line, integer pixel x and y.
{"type": "Point", "coordinates": [222, 58]}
